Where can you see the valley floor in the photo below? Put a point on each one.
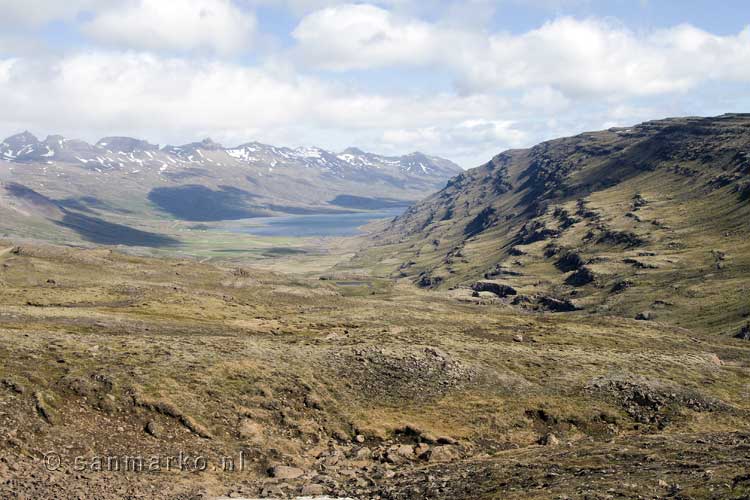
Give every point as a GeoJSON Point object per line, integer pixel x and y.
{"type": "Point", "coordinates": [368, 389]}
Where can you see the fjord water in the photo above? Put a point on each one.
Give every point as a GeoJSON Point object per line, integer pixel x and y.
{"type": "Point", "coordinates": [316, 225]}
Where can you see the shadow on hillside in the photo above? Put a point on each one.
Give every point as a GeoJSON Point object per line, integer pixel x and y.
{"type": "Point", "coordinates": [87, 203]}
{"type": "Point", "coordinates": [202, 204]}
{"type": "Point", "coordinates": [108, 233]}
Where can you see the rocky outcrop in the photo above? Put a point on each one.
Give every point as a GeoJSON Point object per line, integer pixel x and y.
{"type": "Point", "coordinates": [481, 222]}
{"type": "Point", "coordinates": [498, 289]}
{"type": "Point", "coordinates": [582, 277]}
{"type": "Point", "coordinates": [570, 261]}
{"type": "Point", "coordinates": [557, 305]}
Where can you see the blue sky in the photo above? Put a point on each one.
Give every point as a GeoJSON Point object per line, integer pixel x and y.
{"type": "Point", "coordinates": [460, 79]}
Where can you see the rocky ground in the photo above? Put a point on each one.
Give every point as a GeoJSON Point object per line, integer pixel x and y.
{"type": "Point", "coordinates": [127, 377]}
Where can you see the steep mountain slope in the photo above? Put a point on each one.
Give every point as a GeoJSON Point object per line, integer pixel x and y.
{"type": "Point", "coordinates": [650, 221]}
{"type": "Point", "coordinates": [122, 180]}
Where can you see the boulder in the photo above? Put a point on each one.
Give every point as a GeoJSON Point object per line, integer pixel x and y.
{"type": "Point", "coordinates": [285, 472]}
{"type": "Point", "coordinates": [427, 281]}
{"type": "Point", "coordinates": [621, 286]}
{"type": "Point", "coordinates": [442, 454]}
{"type": "Point", "coordinates": [557, 305]}
{"type": "Point", "coordinates": [313, 490]}
{"type": "Point", "coordinates": [153, 429]}
{"type": "Point", "coordinates": [644, 316]}
{"type": "Point", "coordinates": [549, 440]}
{"type": "Point", "coordinates": [744, 333]}
{"type": "Point", "coordinates": [400, 453]}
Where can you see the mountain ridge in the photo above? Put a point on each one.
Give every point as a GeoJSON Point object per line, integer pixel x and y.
{"type": "Point", "coordinates": [598, 221]}
{"type": "Point", "coordinates": [25, 147]}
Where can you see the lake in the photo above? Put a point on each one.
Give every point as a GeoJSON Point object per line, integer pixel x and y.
{"type": "Point", "coordinates": [314, 225]}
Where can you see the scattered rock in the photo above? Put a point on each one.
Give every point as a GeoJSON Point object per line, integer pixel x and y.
{"type": "Point", "coordinates": [621, 286]}
{"type": "Point", "coordinates": [652, 402]}
{"type": "Point", "coordinates": [42, 408]}
{"type": "Point", "coordinates": [447, 440]}
{"type": "Point", "coordinates": [272, 491]}
{"type": "Point", "coordinates": [414, 373]}
{"type": "Point", "coordinates": [427, 281]}
{"type": "Point", "coordinates": [422, 450]}
{"type": "Point", "coordinates": [285, 472]}
{"type": "Point", "coordinates": [442, 454]}
{"type": "Point", "coordinates": [639, 264]}
{"type": "Point", "coordinates": [518, 338]}
{"type": "Point", "coordinates": [13, 386]}
{"type": "Point", "coordinates": [152, 428]}
{"type": "Point", "coordinates": [519, 300]}
{"type": "Point", "coordinates": [744, 333]}
{"type": "Point", "coordinates": [549, 440]}
{"type": "Point", "coordinates": [312, 400]}
{"type": "Point", "coordinates": [168, 409]}
{"type": "Point", "coordinates": [639, 202]}
{"type": "Point", "coordinates": [644, 316]}
{"type": "Point", "coordinates": [312, 490]}
{"type": "Point", "coordinates": [400, 453]}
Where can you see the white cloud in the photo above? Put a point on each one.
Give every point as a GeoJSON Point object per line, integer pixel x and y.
{"type": "Point", "coordinates": [472, 141]}
{"type": "Point", "coordinates": [357, 36]}
{"type": "Point", "coordinates": [178, 100]}
{"type": "Point", "coordinates": [593, 57]}
{"type": "Point", "coordinates": [577, 58]}
{"type": "Point", "coordinates": [545, 98]}
{"type": "Point", "coordinates": [39, 12]}
{"type": "Point", "coordinates": [178, 25]}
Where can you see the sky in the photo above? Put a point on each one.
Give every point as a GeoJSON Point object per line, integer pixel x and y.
{"type": "Point", "coordinates": [463, 80]}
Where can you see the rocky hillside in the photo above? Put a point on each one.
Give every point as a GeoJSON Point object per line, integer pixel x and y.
{"type": "Point", "coordinates": [650, 222]}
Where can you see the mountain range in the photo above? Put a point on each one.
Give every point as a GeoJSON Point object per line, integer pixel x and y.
{"type": "Point", "coordinates": [133, 183]}
{"type": "Point", "coordinates": [134, 156]}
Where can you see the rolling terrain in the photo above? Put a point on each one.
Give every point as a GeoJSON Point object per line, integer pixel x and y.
{"type": "Point", "coordinates": [359, 389]}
